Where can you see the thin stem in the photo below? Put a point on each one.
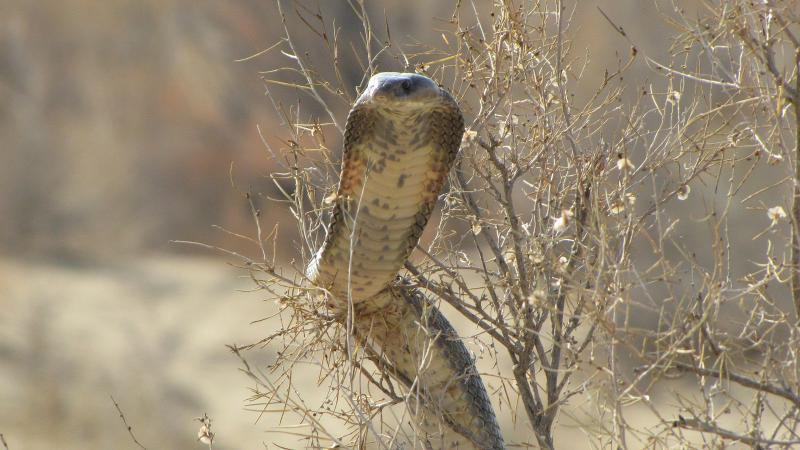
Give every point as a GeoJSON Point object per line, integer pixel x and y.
{"type": "Point", "coordinates": [795, 249]}
{"type": "Point", "coordinates": [125, 422]}
{"type": "Point", "coordinates": [704, 427]}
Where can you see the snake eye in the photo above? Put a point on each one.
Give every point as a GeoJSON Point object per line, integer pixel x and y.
{"type": "Point", "coordinates": [406, 85]}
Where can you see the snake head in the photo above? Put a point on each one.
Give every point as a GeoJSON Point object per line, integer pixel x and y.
{"type": "Point", "coordinates": [401, 91]}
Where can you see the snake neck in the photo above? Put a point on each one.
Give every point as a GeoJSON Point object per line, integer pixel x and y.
{"type": "Point", "coordinates": [394, 167]}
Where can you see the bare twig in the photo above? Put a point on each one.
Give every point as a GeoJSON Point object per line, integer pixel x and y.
{"type": "Point", "coordinates": [125, 422]}
{"type": "Point", "coordinates": [701, 425]}
{"type": "Point", "coordinates": [751, 383]}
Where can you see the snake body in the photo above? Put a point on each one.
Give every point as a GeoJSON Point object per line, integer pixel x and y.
{"type": "Point", "coordinates": [423, 351]}
{"type": "Point", "coordinates": [401, 138]}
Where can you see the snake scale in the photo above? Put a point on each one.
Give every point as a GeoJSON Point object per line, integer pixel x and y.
{"type": "Point", "coordinates": [401, 139]}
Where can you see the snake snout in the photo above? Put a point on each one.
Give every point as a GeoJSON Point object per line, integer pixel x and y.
{"type": "Point", "coordinates": [393, 86]}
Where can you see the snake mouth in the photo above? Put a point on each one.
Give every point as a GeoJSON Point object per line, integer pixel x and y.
{"type": "Point", "coordinates": [396, 88]}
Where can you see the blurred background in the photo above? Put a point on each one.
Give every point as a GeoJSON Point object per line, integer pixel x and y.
{"type": "Point", "coordinates": [122, 124]}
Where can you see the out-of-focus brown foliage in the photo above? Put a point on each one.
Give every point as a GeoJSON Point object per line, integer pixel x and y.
{"type": "Point", "coordinates": [120, 120]}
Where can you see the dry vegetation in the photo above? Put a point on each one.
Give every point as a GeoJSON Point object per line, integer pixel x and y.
{"type": "Point", "coordinates": [563, 235]}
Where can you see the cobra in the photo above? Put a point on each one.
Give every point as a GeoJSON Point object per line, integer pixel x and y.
{"type": "Point", "coordinates": [401, 138]}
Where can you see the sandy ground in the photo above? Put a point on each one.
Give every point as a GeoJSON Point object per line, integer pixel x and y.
{"type": "Point", "coordinates": [152, 333]}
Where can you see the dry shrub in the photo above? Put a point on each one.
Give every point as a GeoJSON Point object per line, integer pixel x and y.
{"type": "Point", "coordinates": [625, 255]}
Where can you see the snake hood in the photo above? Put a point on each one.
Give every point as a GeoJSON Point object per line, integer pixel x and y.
{"type": "Point", "coordinates": [400, 141]}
